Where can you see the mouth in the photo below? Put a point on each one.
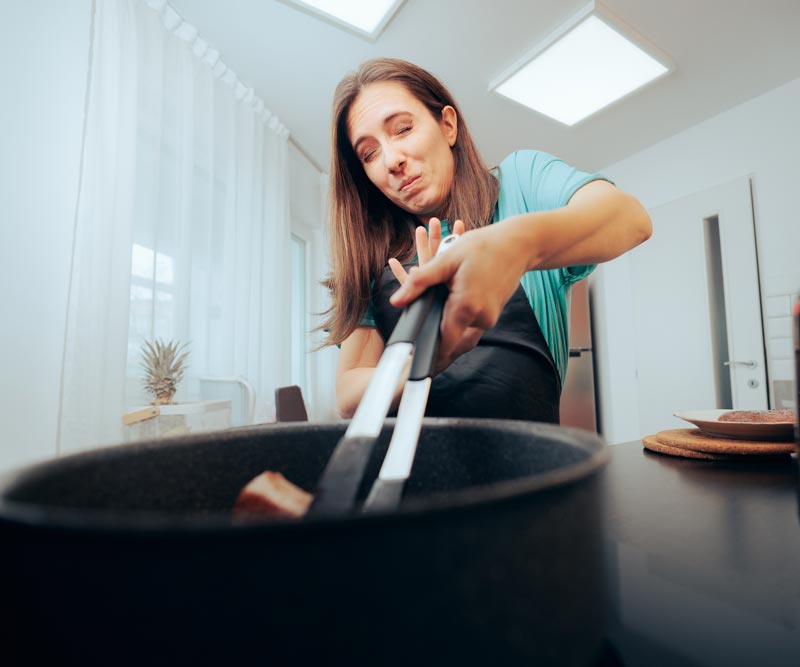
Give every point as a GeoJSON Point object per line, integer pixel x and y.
{"type": "Point", "coordinates": [406, 184]}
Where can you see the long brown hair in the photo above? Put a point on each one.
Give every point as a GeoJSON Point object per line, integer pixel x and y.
{"type": "Point", "coordinates": [366, 229]}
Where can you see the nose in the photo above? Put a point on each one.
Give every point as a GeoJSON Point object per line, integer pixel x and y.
{"type": "Point", "coordinates": [394, 159]}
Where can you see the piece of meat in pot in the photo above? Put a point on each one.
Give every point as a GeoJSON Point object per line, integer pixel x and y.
{"type": "Point", "coordinates": [271, 495]}
{"type": "Point", "coordinates": [759, 416]}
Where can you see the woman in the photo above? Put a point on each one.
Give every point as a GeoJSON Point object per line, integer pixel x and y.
{"type": "Point", "coordinates": [403, 163]}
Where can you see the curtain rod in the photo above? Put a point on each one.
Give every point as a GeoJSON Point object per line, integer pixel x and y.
{"type": "Point", "coordinates": [306, 154]}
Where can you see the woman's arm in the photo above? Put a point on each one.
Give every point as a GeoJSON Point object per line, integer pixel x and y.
{"type": "Point", "coordinates": [598, 224]}
{"type": "Point", "coordinates": [359, 356]}
{"type": "Point", "coordinates": [483, 270]}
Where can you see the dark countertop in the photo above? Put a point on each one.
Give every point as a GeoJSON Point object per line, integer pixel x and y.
{"type": "Point", "coordinates": [703, 560]}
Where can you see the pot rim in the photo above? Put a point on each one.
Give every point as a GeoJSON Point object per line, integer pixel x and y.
{"type": "Point", "coordinates": [157, 524]}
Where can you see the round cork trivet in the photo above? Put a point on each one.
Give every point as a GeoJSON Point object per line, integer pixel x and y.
{"type": "Point", "coordinates": [693, 439]}
{"type": "Point", "coordinates": [654, 445]}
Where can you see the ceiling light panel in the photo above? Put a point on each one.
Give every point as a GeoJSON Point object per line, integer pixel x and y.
{"type": "Point", "coordinates": [366, 18]}
{"type": "Point", "coordinates": [592, 61]}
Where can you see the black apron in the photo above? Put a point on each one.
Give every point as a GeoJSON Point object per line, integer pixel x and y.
{"type": "Point", "coordinates": [510, 374]}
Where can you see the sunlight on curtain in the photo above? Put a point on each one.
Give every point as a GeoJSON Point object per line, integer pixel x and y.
{"type": "Point", "coordinates": [182, 229]}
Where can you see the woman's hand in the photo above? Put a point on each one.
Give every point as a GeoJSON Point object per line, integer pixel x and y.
{"type": "Point", "coordinates": [482, 270]}
{"type": "Point", "coordinates": [427, 246]}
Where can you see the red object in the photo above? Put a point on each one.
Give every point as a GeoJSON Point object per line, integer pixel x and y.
{"type": "Point", "coordinates": [271, 495]}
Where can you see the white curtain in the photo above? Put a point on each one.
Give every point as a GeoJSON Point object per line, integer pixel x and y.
{"type": "Point", "coordinates": [323, 362]}
{"type": "Point", "coordinates": [182, 224]}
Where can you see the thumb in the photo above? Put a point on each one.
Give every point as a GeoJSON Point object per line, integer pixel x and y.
{"type": "Point", "coordinates": [398, 270]}
{"type": "Point", "coordinates": [438, 270]}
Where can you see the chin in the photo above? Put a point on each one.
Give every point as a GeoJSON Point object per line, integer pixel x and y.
{"type": "Point", "coordinates": [424, 207]}
{"type": "Point", "coordinates": [413, 210]}
{"type": "Point", "coordinates": [420, 207]}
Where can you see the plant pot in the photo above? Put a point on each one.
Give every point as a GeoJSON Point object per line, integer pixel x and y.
{"type": "Point", "coordinates": [164, 421]}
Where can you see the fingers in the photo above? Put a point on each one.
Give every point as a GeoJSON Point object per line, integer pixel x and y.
{"type": "Point", "coordinates": [398, 270]}
{"type": "Point", "coordinates": [430, 271]}
{"type": "Point", "coordinates": [428, 241]}
{"type": "Point", "coordinates": [479, 283]}
{"type": "Point", "coordinates": [421, 240]}
{"type": "Point", "coordinates": [420, 278]}
{"type": "Point", "coordinates": [434, 236]}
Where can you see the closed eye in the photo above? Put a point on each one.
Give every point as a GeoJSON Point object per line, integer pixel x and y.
{"type": "Point", "coordinates": [367, 157]}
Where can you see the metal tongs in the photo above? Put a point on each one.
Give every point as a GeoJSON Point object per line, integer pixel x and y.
{"type": "Point", "coordinates": [417, 331]}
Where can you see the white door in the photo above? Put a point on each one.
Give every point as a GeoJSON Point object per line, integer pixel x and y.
{"type": "Point", "coordinates": [696, 306]}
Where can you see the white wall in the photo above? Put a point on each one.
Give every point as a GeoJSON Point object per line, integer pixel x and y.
{"type": "Point", "coordinates": [760, 137]}
{"type": "Point", "coordinates": [43, 67]}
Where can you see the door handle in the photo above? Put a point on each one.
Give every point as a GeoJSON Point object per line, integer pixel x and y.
{"type": "Point", "coordinates": [749, 364]}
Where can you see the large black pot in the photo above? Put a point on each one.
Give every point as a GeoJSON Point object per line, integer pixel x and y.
{"type": "Point", "coordinates": [128, 555]}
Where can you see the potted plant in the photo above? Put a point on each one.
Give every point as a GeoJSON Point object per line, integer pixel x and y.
{"type": "Point", "coordinates": [164, 366]}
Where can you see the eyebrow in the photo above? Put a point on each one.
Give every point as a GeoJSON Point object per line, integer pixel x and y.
{"type": "Point", "coordinates": [386, 121]}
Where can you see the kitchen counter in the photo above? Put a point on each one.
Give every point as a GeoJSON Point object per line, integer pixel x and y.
{"type": "Point", "coordinates": [703, 560]}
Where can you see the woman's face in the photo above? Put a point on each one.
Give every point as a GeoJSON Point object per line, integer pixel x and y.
{"type": "Point", "coordinates": [405, 151]}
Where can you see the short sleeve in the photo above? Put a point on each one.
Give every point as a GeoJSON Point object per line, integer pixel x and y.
{"type": "Point", "coordinates": [547, 183]}
{"type": "Point", "coordinates": [572, 274]}
{"type": "Point", "coordinates": [368, 320]}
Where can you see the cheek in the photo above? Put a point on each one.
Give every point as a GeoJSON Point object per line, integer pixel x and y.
{"type": "Point", "coordinates": [373, 175]}
{"type": "Point", "coordinates": [446, 169]}
{"type": "Point", "coordinates": [378, 178]}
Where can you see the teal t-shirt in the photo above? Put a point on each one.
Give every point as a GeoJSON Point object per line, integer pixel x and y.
{"type": "Point", "coordinates": [532, 181]}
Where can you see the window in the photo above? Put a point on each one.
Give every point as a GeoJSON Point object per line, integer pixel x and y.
{"type": "Point", "coordinates": [299, 311]}
{"type": "Point", "coordinates": [152, 302]}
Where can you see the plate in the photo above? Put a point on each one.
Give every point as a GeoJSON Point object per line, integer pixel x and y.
{"type": "Point", "coordinates": [708, 422]}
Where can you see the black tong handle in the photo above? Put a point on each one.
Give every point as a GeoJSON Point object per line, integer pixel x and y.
{"type": "Point", "coordinates": [418, 326]}
{"type": "Point", "coordinates": [338, 485]}
{"type": "Point", "coordinates": [413, 317]}
{"type": "Point", "coordinates": [427, 341]}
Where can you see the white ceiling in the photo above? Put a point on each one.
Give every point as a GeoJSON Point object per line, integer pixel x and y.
{"type": "Point", "coordinates": [725, 52]}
